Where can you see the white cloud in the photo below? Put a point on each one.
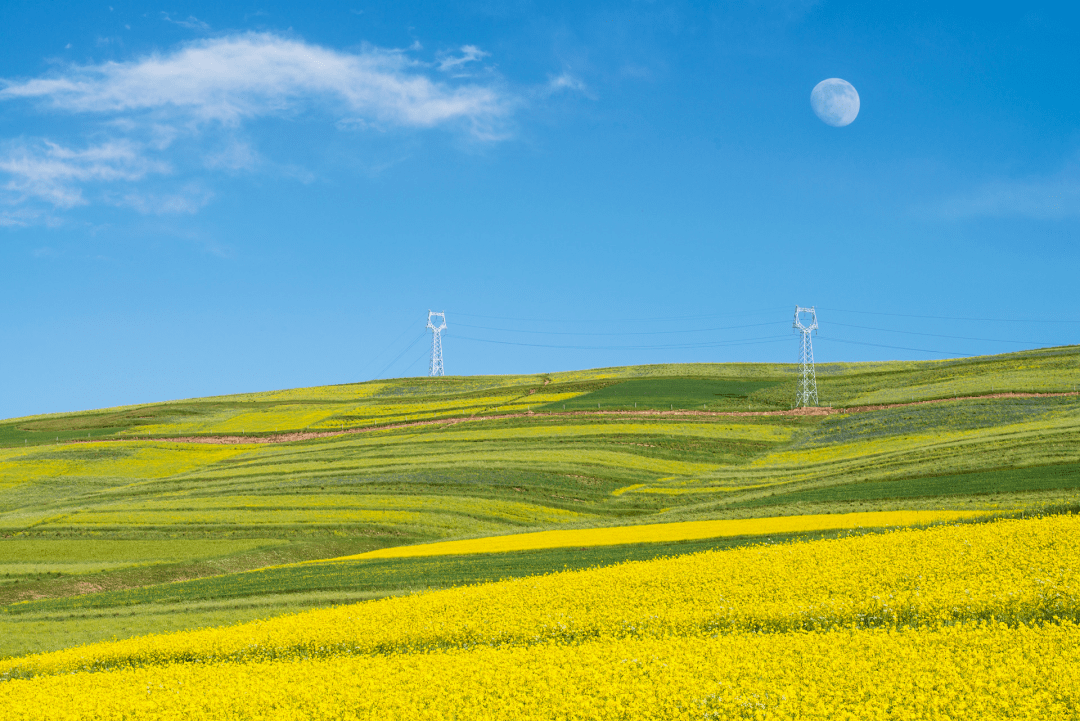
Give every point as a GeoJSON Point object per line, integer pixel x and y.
{"type": "Point", "coordinates": [17, 219]}
{"type": "Point", "coordinates": [192, 23]}
{"type": "Point", "coordinates": [231, 79]}
{"type": "Point", "coordinates": [565, 81]}
{"type": "Point", "coordinates": [469, 54]}
{"type": "Point", "coordinates": [53, 173]}
{"type": "Point", "coordinates": [235, 156]}
{"type": "Point", "coordinates": [1052, 198]}
{"type": "Point", "coordinates": [179, 112]}
{"type": "Point", "coordinates": [189, 199]}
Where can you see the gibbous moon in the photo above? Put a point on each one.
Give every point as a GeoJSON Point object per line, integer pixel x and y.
{"type": "Point", "coordinates": [835, 102]}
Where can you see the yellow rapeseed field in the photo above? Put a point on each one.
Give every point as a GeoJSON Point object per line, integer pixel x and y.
{"type": "Point", "coordinates": [328, 508]}
{"type": "Point", "coordinates": [969, 672]}
{"type": "Point", "coordinates": [962, 621]}
{"type": "Point", "coordinates": [661, 532]}
{"type": "Point", "coordinates": [152, 459]}
{"type": "Point", "coordinates": [329, 416]}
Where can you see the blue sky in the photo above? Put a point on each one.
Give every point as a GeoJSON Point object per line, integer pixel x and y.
{"type": "Point", "coordinates": [198, 199]}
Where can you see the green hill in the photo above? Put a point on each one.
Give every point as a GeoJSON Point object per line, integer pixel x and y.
{"type": "Point", "coordinates": [204, 487]}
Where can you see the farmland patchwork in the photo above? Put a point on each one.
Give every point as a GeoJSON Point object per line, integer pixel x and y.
{"type": "Point", "coordinates": [653, 541]}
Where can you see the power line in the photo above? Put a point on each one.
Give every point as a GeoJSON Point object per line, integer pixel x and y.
{"type": "Point", "coordinates": [689, 343]}
{"type": "Point", "coordinates": [380, 353]}
{"type": "Point", "coordinates": [895, 347]}
{"type": "Point", "coordinates": [655, 332]}
{"type": "Point", "coordinates": [938, 335]}
{"type": "Point", "coordinates": [718, 344]}
{"type": "Point", "coordinates": [419, 358]}
{"type": "Point", "coordinates": [407, 349]}
{"type": "Point", "coordinates": [619, 320]}
{"type": "Point", "coordinates": [943, 317]}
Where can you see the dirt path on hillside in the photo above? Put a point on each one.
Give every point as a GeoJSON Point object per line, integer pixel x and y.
{"type": "Point", "coordinates": [295, 436]}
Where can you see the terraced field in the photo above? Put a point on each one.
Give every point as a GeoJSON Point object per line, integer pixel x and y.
{"type": "Point", "coordinates": [960, 621]}
{"type": "Point", "coordinates": [128, 520]}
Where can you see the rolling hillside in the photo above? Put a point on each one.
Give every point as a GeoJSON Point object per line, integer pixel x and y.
{"type": "Point", "coordinates": [183, 499]}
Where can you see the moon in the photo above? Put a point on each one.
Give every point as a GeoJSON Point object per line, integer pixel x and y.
{"type": "Point", "coordinates": [835, 101]}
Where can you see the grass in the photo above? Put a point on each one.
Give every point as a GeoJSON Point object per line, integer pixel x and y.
{"type": "Point", "coordinates": [937, 418]}
{"type": "Point", "coordinates": [663, 532]}
{"type": "Point", "coordinates": [45, 625]}
{"type": "Point", "coordinates": [135, 516]}
{"type": "Point", "coordinates": [1002, 480]}
{"type": "Point", "coordinates": [24, 560]}
{"type": "Point", "coordinates": [35, 632]}
{"type": "Point", "coordinates": [375, 403]}
{"type": "Point", "coordinates": [223, 557]}
{"type": "Point", "coordinates": [669, 394]}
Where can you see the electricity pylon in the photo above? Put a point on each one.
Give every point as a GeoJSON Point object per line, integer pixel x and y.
{"type": "Point", "coordinates": [437, 327]}
{"type": "Point", "coordinates": [807, 393]}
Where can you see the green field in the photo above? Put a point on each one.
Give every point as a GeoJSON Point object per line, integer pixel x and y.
{"type": "Point", "coordinates": [673, 393]}
{"type": "Point", "coordinates": [999, 481]}
{"type": "Point", "coordinates": [50, 624]}
{"type": "Point", "coordinates": [136, 528]}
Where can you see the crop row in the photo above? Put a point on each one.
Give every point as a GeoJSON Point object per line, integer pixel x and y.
{"type": "Point", "coordinates": [663, 532]}
{"type": "Point", "coordinates": [1018, 571]}
{"type": "Point", "coordinates": [965, 621]}
{"type": "Point", "coordinates": [983, 671]}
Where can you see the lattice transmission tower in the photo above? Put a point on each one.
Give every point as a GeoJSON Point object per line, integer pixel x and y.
{"type": "Point", "coordinates": [807, 394]}
{"type": "Point", "coordinates": [437, 323]}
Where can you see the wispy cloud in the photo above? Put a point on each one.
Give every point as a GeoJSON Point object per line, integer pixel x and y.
{"type": "Point", "coordinates": [235, 156]}
{"type": "Point", "coordinates": [19, 217]}
{"type": "Point", "coordinates": [451, 63]}
{"type": "Point", "coordinates": [53, 173]}
{"type": "Point", "coordinates": [134, 113]}
{"type": "Point", "coordinates": [188, 199]}
{"type": "Point", "coordinates": [231, 79]}
{"type": "Point", "coordinates": [566, 81]}
{"type": "Point", "coordinates": [1049, 198]}
{"type": "Point", "coordinates": [192, 22]}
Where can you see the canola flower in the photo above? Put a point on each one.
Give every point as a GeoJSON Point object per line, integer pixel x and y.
{"type": "Point", "coordinates": [260, 517]}
{"type": "Point", "coordinates": [513, 510]}
{"type": "Point", "coordinates": [152, 459]}
{"type": "Point", "coordinates": [969, 621]}
{"type": "Point", "coordinates": [521, 456]}
{"type": "Point", "coordinates": [328, 508]}
{"type": "Point", "coordinates": [976, 671]}
{"type": "Point", "coordinates": [1019, 572]}
{"type": "Point", "coordinates": [669, 429]}
{"type": "Point", "coordinates": [659, 532]}
{"type": "Point", "coordinates": [331, 415]}
{"type": "Point", "coordinates": [393, 388]}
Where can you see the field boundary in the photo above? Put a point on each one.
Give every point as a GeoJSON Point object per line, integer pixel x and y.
{"type": "Point", "coordinates": [296, 436]}
{"type": "Point", "coordinates": [660, 532]}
